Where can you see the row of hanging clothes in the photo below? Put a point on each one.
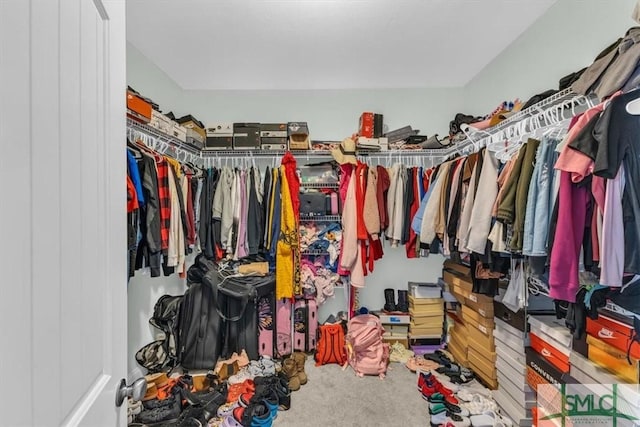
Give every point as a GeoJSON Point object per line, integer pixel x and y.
{"type": "Point", "coordinates": [379, 202]}
{"type": "Point", "coordinates": [496, 205]}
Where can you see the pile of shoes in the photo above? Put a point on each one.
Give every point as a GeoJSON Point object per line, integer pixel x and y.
{"type": "Point", "coordinates": [238, 392]}
{"type": "Point", "coordinates": [455, 398]}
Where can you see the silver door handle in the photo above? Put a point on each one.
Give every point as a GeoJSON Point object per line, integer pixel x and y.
{"type": "Point", "coordinates": [136, 391]}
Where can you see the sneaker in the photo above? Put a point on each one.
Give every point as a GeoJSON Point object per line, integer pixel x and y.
{"type": "Point", "coordinates": [438, 407]}
{"type": "Point", "coordinates": [241, 376]}
{"type": "Point", "coordinates": [449, 419]}
{"type": "Point", "coordinates": [280, 386]}
{"type": "Point", "coordinates": [479, 405]}
{"type": "Point", "coordinates": [168, 412]}
{"type": "Point", "coordinates": [134, 407]}
{"type": "Point", "coordinates": [399, 353]}
{"type": "Point", "coordinates": [227, 409]}
{"type": "Point", "coordinates": [255, 415]}
{"type": "Point", "coordinates": [235, 390]}
{"type": "Point", "coordinates": [491, 418]}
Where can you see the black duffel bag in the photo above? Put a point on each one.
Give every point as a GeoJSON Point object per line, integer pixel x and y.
{"type": "Point", "coordinates": [201, 328]}
{"type": "Point", "coordinates": [238, 306]}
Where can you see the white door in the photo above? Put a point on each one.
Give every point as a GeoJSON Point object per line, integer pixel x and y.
{"type": "Point", "coordinates": [62, 212]}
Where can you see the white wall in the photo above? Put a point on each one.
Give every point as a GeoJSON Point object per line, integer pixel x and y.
{"type": "Point", "coordinates": [563, 40]}
{"type": "Point", "coordinates": [143, 292]}
{"type": "Point", "coordinates": [331, 114]}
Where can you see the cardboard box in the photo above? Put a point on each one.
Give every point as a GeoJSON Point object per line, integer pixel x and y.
{"type": "Point", "coordinates": [481, 304]}
{"type": "Point", "coordinates": [546, 370]}
{"type": "Point", "coordinates": [614, 360]}
{"type": "Point", "coordinates": [138, 108]}
{"type": "Point", "coordinates": [459, 352]}
{"type": "Point", "coordinates": [552, 354]}
{"type": "Point", "coordinates": [394, 329]}
{"type": "Point", "coordinates": [246, 136]}
{"type": "Point", "coordinates": [485, 373]}
{"type": "Point", "coordinates": [273, 130]}
{"type": "Point", "coordinates": [553, 327]}
{"type": "Point", "coordinates": [190, 122]}
{"type": "Point", "coordinates": [401, 319]}
{"type": "Point", "coordinates": [469, 315]}
{"type": "Point", "coordinates": [485, 352]}
{"type": "Point", "coordinates": [298, 134]}
{"type": "Point", "coordinates": [454, 266]}
{"type": "Point", "coordinates": [278, 144]}
{"type": "Point", "coordinates": [613, 332]}
{"type": "Point", "coordinates": [520, 392]}
{"type": "Point", "coordinates": [179, 132]}
{"type": "Point", "coordinates": [481, 335]}
{"type": "Point", "coordinates": [517, 320]}
{"type": "Point", "coordinates": [365, 127]}
{"type": "Point", "coordinates": [519, 415]}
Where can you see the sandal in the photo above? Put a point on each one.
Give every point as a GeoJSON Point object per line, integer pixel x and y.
{"type": "Point", "coordinates": [419, 364]}
{"type": "Point", "coordinates": [439, 357]}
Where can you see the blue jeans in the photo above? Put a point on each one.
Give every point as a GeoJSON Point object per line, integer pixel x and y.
{"type": "Point", "coordinates": [539, 206]}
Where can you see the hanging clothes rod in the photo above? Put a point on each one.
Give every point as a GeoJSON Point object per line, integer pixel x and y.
{"type": "Point", "coordinates": [161, 142]}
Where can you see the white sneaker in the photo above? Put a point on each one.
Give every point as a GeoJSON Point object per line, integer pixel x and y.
{"type": "Point", "coordinates": [490, 419]}
{"type": "Point", "coordinates": [479, 405]}
{"type": "Point", "coordinates": [447, 418]}
{"type": "Point", "coordinates": [242, 375]}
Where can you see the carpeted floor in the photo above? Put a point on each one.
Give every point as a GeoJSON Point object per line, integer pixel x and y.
{"type": "Point", "coordinates": [334, 397]}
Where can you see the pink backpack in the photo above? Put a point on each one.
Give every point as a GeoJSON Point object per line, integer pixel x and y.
{"type": "Point", "coordinates": [366, 352]}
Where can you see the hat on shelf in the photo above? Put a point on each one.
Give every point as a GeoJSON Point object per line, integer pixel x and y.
{"type": "Point", "coordinates": [346, 152]}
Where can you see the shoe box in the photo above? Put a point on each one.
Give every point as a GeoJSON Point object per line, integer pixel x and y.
{"type": "Point", "coordinates": [546, 370]}
{"type": "Point", "coordinates": [138, 108]}
{"type": "Point", "coordinates": [457, 278]}
{"type": "Point", "coordinates": [615, 361]}
{"type": "Point", "coordinates": [616, 333]}
{"type": "Point", "coordinates": [273, 136]}
{"type": "Point", "coordinates": [519, 415]}
{"type": "Point", "coordinates": [516, 320]}
{"type": "Point", "coordinates": [552, 340]}
{"type": "Point", "coordinates": [196, 132]}
{"type": "Point", "coordinates": [458, 344]}
{"type": "Point", "coordinates": [298, 134]}
{"type": "Point", "coordinates": [514, 395]}
{"type": "Point", "coordinates": [246, 136]}
{"type": "Point", "coordinates": [161, 122]}
{"type": "Point", "coordinates": [481, 304]}
{"type": "Point", "coordinates": [366, 125]}
{"type": "Point", "coordinates": [219, 136]}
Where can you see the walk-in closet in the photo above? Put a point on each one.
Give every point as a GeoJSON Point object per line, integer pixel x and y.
{"type": "Point", "coordinates": [306, 213]}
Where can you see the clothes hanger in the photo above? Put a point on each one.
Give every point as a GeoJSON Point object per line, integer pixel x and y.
{"type": "Point", "coordinates": [633, 107]}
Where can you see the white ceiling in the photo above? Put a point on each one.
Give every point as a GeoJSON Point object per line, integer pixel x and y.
{"type": "Point", "coordinates": [326, 44]}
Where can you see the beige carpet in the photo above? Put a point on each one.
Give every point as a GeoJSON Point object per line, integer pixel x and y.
{"type": "Point", "coordinates": [334, 397]}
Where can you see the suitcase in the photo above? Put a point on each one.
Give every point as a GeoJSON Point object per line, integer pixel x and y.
{"type": "Point", "coordinates": [284, 340]}
{"type": "Point", "coordinates": [305, 317]}
{"type": "Point", "coordinates": [266, 326]}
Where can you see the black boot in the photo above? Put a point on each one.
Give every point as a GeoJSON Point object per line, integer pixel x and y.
{"type": "Point", "coordinates": [403, 301]}
{"type": "Point", "coordinates": [390, 300]}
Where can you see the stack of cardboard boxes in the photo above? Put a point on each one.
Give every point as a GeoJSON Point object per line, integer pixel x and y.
{"type": "Point", "coordinates": [471, 341]}
{"type": "Point", "coordinates": [426, 308]}
{"type": "Point", "coordinates": [514, 395]}
{"type": "Point", "coordinates": [610, 339]}
{"type": "Point", "coordinates": [396, 328]}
